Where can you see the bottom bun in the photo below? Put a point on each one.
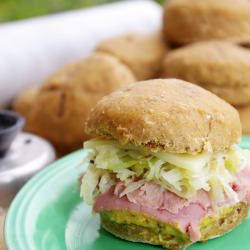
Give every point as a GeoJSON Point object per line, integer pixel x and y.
{"type": "Point", "coordinates": [139, 227]}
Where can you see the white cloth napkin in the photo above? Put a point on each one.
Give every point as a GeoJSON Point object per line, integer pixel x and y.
{"type": "Point", "coordinates": [31, 50]}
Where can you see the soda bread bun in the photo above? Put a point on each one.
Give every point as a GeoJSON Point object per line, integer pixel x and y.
{"type": "Point", "coordinates": [187, 21]}
{"type": "Point", "coordinates": [143, 54]}
{"type": "Point", "coordinates": [167, 115]}
{"type": "Point", "coordinates": [222, 68]}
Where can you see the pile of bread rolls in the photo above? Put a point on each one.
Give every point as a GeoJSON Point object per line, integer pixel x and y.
{"type": "Point", "coordinates": [58, 109]}
{"type": "Point", "coordinates": [209, 41]}
{"type": "Point", "coordinates": [211, 37]}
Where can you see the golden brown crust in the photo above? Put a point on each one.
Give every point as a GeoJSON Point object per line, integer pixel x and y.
{"type": "Point", "coordinates": [58, 115]}
{"type": "Point", "coordinates": [221, 67]}
{"type": "Point", "coordinates": [244, 112]}
{"type": "Point", "coordinates": [166, 114]}
{"type": "Point", "coordinates": [143, 54]}
{"type": "Point", "coordinates": [99, 73]}
{"type": "Point", "coordinates": [60, 108]}
{"type": "Point", "coordinates": [187, 21]}
{"type": "Point", "coordinates": [233, 95]}
{"type": "Point", "coordinates": [23, 102]}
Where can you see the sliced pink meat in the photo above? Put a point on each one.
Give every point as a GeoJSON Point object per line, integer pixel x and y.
{"type": "Point", "coordinates": [242, 184]}
{"type": "Point", "coordinates": [202, 198]}
{"type": "Point", "coordinates": [187, 218]}
{"type": "Point", "coordinates": [154, 196]}
{"type": "Point", "coordinates": [243, 178]}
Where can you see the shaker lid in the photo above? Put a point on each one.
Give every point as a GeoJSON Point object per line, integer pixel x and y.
{"type": "Point", "coordinates": [27, 155]}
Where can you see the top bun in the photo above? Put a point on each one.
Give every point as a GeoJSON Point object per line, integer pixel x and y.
{"type": "Point", "coordinates": [166, 115]}
{"type": "Point", "coordinates": [188, 21]}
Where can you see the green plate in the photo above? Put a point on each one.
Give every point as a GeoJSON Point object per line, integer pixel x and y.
{"type": "Point", "coordinates": [47, 214]}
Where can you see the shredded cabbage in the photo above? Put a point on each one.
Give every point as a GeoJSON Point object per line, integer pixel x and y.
{"type": "Point", "coordinates": [131, 187]}
{"type": "Point", "coordinates": [182, 174]}
{"type": "Point", "coordinates": [94, 182]}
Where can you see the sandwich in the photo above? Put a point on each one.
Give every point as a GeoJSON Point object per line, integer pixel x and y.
{"type": "Point", "coordinates": [164, 167]}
